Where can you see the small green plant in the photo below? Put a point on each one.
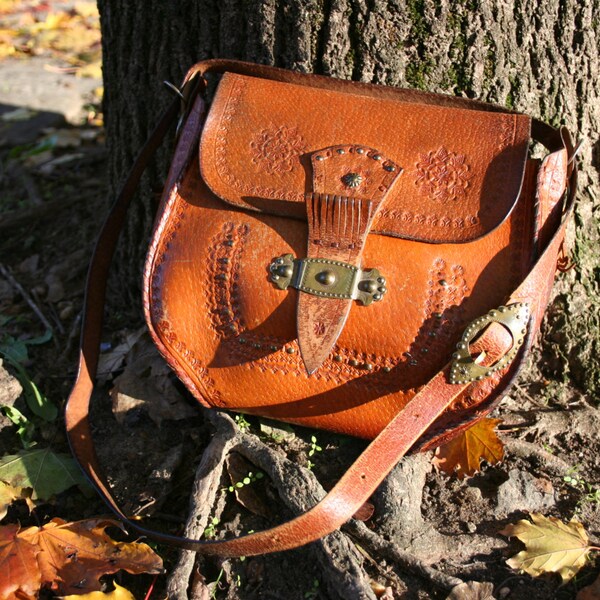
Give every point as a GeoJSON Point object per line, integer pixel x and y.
{"type": "Point", "coordinates": [313, 446]}
{"type": "Point", "coordinates": [16, 354]}
{"type": "Point", "coordinates": [210, 531]}
{"type": "Point", "coordinates": [241, 422]}
{"type": "Point", "coordinates": [25, 428]}
{"type": "Point", "coordinates": [250, 478]}
{"type": "Point", "coordinates": [573, 478]}
{"type": "Point", "coordinates": [215, 585]}
{"type": "Point", "coordinates": [314, 590]}
{"type": "Point", "coordinates": [310, 464]}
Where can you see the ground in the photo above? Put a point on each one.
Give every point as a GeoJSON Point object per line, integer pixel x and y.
{"type": "Point", "coordinates": [150, 435]}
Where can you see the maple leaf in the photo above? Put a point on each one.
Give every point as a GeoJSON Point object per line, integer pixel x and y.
{"type": "Point", "coordinates": [19, 575]}
{"type": "Point", "coordinates": [47, 473]}
{"type": "Point", "coordinates": [68, 557]}
{"type": "Point", "coordinates": [464, 453]}
{"type": "Point", "coordinates": [8, 493]}
{"type": "Point", "coordinates": [551, 546]}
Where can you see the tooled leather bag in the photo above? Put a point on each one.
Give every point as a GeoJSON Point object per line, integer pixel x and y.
{"type": "Point", "coordinates": [368, 260]}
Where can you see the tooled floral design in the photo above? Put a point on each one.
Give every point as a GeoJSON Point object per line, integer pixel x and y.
{"type": "Point", "coordinates": [443, 175]}
{"type": "Point", "coordinates": [276, 149]}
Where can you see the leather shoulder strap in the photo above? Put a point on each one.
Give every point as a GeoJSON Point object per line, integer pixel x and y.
{"type": "Point", "coordinates": [361, 479]}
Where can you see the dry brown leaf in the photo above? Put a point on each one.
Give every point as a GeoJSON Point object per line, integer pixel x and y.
{"type": "Point", "coordinates": [18, 566]}
{"type": "Point", "coordinates": [472, 590]}
{"type": "Point", "coordinates": [463, 454]}
{"type": "Point", "coordinates": [119, 593]}
{"type": "Point", "coordinates": [551, 546]}
{"type": "Point", "coordinates": [146, 384]}
{"type": "Point", "coordinates": [239, 470]}
{"type": "Point", "coordinates": [68, 557]}
{"type": "Point", "coordinates": [591, 592]}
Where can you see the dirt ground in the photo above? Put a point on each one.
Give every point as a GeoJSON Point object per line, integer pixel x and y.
{"type": "Point", "coordinates": [150, 435]}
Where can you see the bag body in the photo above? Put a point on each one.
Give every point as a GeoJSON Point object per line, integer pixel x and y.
{"type": "Point", "coordinates": [455, 234]}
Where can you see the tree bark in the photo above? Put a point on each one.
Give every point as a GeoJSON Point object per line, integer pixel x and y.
{"type": "Point", "coordinates": [541, 58]}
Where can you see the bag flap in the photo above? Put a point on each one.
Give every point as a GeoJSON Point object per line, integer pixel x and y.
{"type": "Point", "coordinates": [460, 170]}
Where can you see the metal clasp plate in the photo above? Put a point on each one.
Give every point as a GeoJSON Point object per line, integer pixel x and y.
{"type": "Point", "coordinates": [514, 317]}
{"type": "Point", "coordinates": [328, 278]}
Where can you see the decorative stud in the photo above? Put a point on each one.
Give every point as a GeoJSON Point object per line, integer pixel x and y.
{"type": "Point", "coordinates": [367, 366]}
{"type": "Point", "coordinates": [325, 277]}
{"type": "Point", "coordinates": [352, 180]}
{"type": "Point", "coordinates": [376, 157]}
{"type": "Point", "coordinates": [387, 369]}
{"type": "Point", "coordinates": [338, 358]}
{"type": "Point", "coordinates": [341, 151]}
{"type": "Point", "coordinates": [319, 157]}
{"type": "Point", "coordinates": [290, 350]}
{"type": "Point", "coordinates": [390, 168]}
{"type": "Point", "coordinates": [353, 362]}
{"type": "Point", "coordinates": [360, 150]}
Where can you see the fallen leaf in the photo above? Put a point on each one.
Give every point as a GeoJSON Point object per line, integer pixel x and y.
{"type": "Point", "coordinates": [45, 472]}
{"type": "Point", "coordinates": [18, 565]}
{"type": "Point", "coordinates": [590, 592]}
{"type": "Point", "coordinates": [19, 114]}
{"type": "Point", "coordinates": [70, 558]}
{"type": "Point", "coordinates": [119, 593]}
{"type": "Point", "coordinates": [472, 590]}
{"type": "Point", "coordinates": [463, 454]}
{"type": "Point", "coordinates": [92, 70]}
{"type": "Point", "coordinates": [87, 9]}
{"type": "Point", "coordinates": [146, 384]}
{"type": "Point", "coordinates": [550, 546]}
{"type": "Point", "coordinates": [8, 494]}
{"type": "Point", "coordinates": [242, 484]}
{"type": "Point", "coordinates": [111, 361]}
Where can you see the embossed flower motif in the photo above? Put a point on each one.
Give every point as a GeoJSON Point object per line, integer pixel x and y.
{"type": "Point", "coordinates": [276, 149]}
{"type": "Point", "coordinates": [444, 175]}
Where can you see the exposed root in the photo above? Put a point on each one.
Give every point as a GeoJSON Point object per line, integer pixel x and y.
{"type": "Point", "coordinates": [554, 464]}
{"type": "Point", "coordinates": [377, 545]}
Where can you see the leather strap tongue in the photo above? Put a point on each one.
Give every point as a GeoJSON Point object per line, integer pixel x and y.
{"type": "Point", "coordinates": [350, 184]}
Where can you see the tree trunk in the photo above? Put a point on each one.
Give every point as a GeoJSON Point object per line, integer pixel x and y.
{"type": "Point", "coordinates": [540, 58]}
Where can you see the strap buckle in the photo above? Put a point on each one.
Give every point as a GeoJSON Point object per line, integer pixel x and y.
{"type": "Point", "coordinates": [514, 317]}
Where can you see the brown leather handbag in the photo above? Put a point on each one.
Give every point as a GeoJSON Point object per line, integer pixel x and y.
{"type": "Point", "coordinates": [369, 260]}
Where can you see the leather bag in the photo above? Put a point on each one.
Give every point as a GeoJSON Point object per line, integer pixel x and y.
{"type": "Point", "coordinates": [369, 260]}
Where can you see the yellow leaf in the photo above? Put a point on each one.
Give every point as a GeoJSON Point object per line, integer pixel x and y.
{"type": "Point", "coordinates": [93, 70]}
{"type": "Point", "coordinates": [119, 593]}
{"type": "Point", "coordinates": [464, 453]}
{"type": "Point", "coordinates": [550, 546]}
{"type": "Point", "coordinates": [87, 10]}
{"type": "Point", "coordinates": [8, 493]}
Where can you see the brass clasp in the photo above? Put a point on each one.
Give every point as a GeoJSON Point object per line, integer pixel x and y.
{"type": "Point", "coordinates": [328, 278]}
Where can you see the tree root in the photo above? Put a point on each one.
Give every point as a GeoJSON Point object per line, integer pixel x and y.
{"type": "Point", "coordinates": [526, 450]}
{"type": "Point", "coordinates": [341, 564]}
{"type": "Point", "coordinates": [377, 545]}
